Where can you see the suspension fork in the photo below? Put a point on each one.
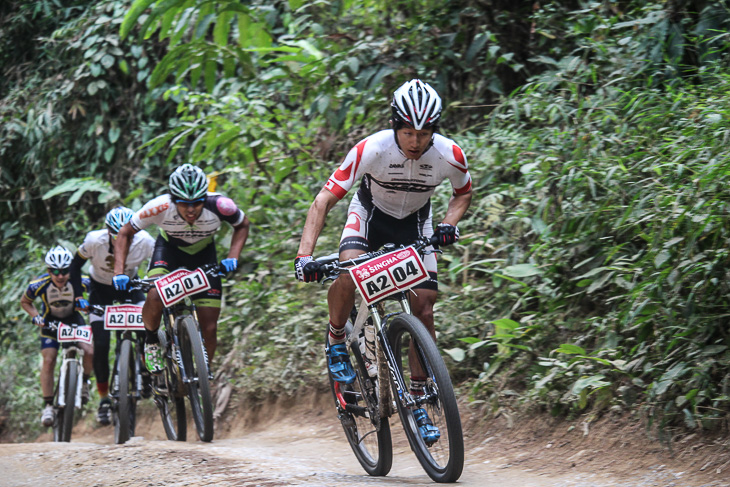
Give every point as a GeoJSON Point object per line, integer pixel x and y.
{"type": "Point", "coordinates": [381, 327]}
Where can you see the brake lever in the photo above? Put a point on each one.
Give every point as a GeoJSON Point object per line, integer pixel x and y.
{"type": "Point", "coordinates": [327, 278]}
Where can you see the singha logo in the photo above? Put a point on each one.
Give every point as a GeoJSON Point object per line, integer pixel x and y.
{"type": "Point", "coordinates": [403, 255]}
{"type": "Point", "coordinates": [362, 274]}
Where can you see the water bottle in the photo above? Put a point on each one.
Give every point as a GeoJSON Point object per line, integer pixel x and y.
{"type": "Point", "coordinates": [366, 340]}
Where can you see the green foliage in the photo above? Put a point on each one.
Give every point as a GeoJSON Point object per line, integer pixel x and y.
{"type": "Point", "coordinates": [591, 272]}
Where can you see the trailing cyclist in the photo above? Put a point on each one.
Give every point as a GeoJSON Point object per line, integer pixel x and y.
{"type": "Point", "coordinates": [399, 169]}
{"type": "Point", "coordinates": [59, 302]}
{"type": "Point", "coordinates": [188, 218]}
{"type": "Point", "coordinates": [98, 248]}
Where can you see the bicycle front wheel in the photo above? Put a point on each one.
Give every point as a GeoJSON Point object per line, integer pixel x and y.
{"type": "Point", "coordinates": [126, 401]}
{"type": "Point", "coordinates": [72, 376]}
{"type": "Point", "coordinates": [171, 404]}
{"type": "Point", "coordinates": [415, 352]}
{"type": "Point", "coordinates": [357, 409]}
{"type": "Point", "coordinates": [196, 369]}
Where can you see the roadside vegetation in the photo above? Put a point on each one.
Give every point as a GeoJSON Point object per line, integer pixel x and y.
{"type": "Point", "coordinates": [592, 273]}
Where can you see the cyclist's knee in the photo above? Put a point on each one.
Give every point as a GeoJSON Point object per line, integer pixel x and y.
{"type": "Point", "coordinates": [153, 298]}
{"type": "Point", "coordinates": [88, 350]}
{"type": "Point", "coordinates": [49, 364]}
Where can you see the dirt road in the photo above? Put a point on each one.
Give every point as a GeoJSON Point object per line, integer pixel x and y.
{"type": "Point", "coordinates": [308, 449]}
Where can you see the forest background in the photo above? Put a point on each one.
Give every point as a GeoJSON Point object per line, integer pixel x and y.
{"type": "Point", "coordinates": [592, 272]}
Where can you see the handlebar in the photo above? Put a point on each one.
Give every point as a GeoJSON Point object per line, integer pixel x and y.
{"type": "Point", "coordinates": [146, 283]}
{"type": "Point", "coordinates": [331, 265]}
{"type": "Point", "coordinates": [54, 324]}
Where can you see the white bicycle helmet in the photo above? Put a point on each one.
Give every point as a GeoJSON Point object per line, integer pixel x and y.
{"type": "Point", "coordinates": [59, 258]}
{"type": "Point", "coordinates": [188, 183]}
{"type": "Point", "coordinates": [416, 104]}
{"type": "Point", "coordinates": [117, 217]}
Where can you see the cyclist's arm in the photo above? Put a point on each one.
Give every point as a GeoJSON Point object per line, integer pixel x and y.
{"type": "Point", "coordinates": [76, 264]}
{"type": "Point", "coordinates": [314, 224]}
{"type": "Point", "coordinates": [458, 204]}
{"type": "Point", "coordinates": [28, 306]}
{"type": "Point", "coordinates": [121, 247]}
{"type": "Point", "coordinates": [238, 240]}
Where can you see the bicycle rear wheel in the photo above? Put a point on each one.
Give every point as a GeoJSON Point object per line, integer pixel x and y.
{"type": "Point", "coordinates": [443, 461]}
{"type": "Point", "coordinates": [125, 398]}
{"type": "Point", "coordinates": [72, 376]}
{"type": "Point", "coordinates": [357, 409]}
{"type": "Point", "coordinates": [196, 369]}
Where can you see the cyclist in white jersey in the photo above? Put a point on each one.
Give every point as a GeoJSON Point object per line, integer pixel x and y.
{"type": "Point", "coordinates": [188, 218]}
{"type": "Point", "coordinates": [98, 249]}
{"type": "Point", "coordinates": [398, 169]}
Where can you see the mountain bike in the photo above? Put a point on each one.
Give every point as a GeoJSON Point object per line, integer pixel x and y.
{"type": "Point", "coordinates": [68, 395]}
{"type": "Point", "coordinates": [186, 371]}
{"type": "Point", "coordinates": [127, 380]}
{"type": "Point", "coordinates": [401, 342]}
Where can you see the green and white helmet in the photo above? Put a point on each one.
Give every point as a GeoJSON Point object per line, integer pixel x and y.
{"type": "Point", "coordinates": [188, 183]}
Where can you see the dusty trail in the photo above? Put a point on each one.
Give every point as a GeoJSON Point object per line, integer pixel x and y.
{"type": "Point", "coordinates": [274, 447]}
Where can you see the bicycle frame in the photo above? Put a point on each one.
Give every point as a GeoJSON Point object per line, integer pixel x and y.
{"type": "Point", "coordinates": [380, 318]}
{"type": "Point", "coordinates": [380, 321]}
{"type": "Point", "coordinates": [428, 409]}
{"type": "Point", "coordinates": [121, 335]}
{"type": "Point", "coordinates": [171, 317]}
{"type": "Point", "coordinates": [168, 332]}
{"type": "Point", "coordinates": [187, 369]}
{"type": "Point", "coordinates": [70, 353]}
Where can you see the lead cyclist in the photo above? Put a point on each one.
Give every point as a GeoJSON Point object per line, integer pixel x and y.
{"type": "Point", "coordinates": [399, 169]}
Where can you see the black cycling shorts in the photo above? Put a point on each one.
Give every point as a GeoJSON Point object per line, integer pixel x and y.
{"type": "Point", "coordinates": [167, 257]}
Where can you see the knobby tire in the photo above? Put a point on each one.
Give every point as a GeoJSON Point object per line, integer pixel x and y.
{"type": "Point", "coordinates": [370, 440]}
{"type": "Point", "coordinates": [125, 411]}
{"type": "Point", "coordinates": [172, 403]}
{"type": "Point", "coordinates": [72, 376]}
{"type": "Point", "coordinates": [193, 357]}
{"type": "Point", "coordinates": [444, 460]}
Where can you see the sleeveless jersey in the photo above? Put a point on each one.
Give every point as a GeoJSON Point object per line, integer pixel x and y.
{"type": "Point", "coordinates": [97, 248]}
{"type": "Point", "coordinates": [57, 302]}
{"type": "Point", "coordinates": [395, 184]}
{"type": "Point", "coordinates": [162, 212]}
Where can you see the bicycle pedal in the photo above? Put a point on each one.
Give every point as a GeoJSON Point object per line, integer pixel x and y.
{"type": "Point", "coordinates": [160, 391]}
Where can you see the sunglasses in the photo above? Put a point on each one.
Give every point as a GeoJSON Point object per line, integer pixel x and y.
{"type": "Point", "coordinates": [59, 272]}
{"type": "Point", "coordinates": [188, 202]}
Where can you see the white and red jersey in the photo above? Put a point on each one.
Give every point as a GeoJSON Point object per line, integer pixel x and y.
{"type": "Point", "coordinates": [162, 212]}
{"type": "Point", "coordinates": [395, 184]}
{"type": "Point", "coordinates": [99, 251]}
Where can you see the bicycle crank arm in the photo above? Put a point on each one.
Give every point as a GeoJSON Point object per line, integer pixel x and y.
{"type": "Point", "coordinates": [356, 410]}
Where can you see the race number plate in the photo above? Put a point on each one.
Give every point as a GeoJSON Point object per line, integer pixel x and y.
{"type": "Point", "coordinates": [388, 274]}
{"type": "Point", "coordinates": [125, 317]}
{"type": "Point", "coordinates": [68, 333]}
{"type": "Point", "coordinates": [174, 287]}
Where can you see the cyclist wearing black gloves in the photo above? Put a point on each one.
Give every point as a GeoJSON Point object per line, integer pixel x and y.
{"type": "Point", "coordinates": [59, 302]}
{"type": "Point", "coordinates": [399, 169]}
{"type": "Point", "coordinates": [98, 249]}
{"type": "Point", "coordinates": [188, 218]}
